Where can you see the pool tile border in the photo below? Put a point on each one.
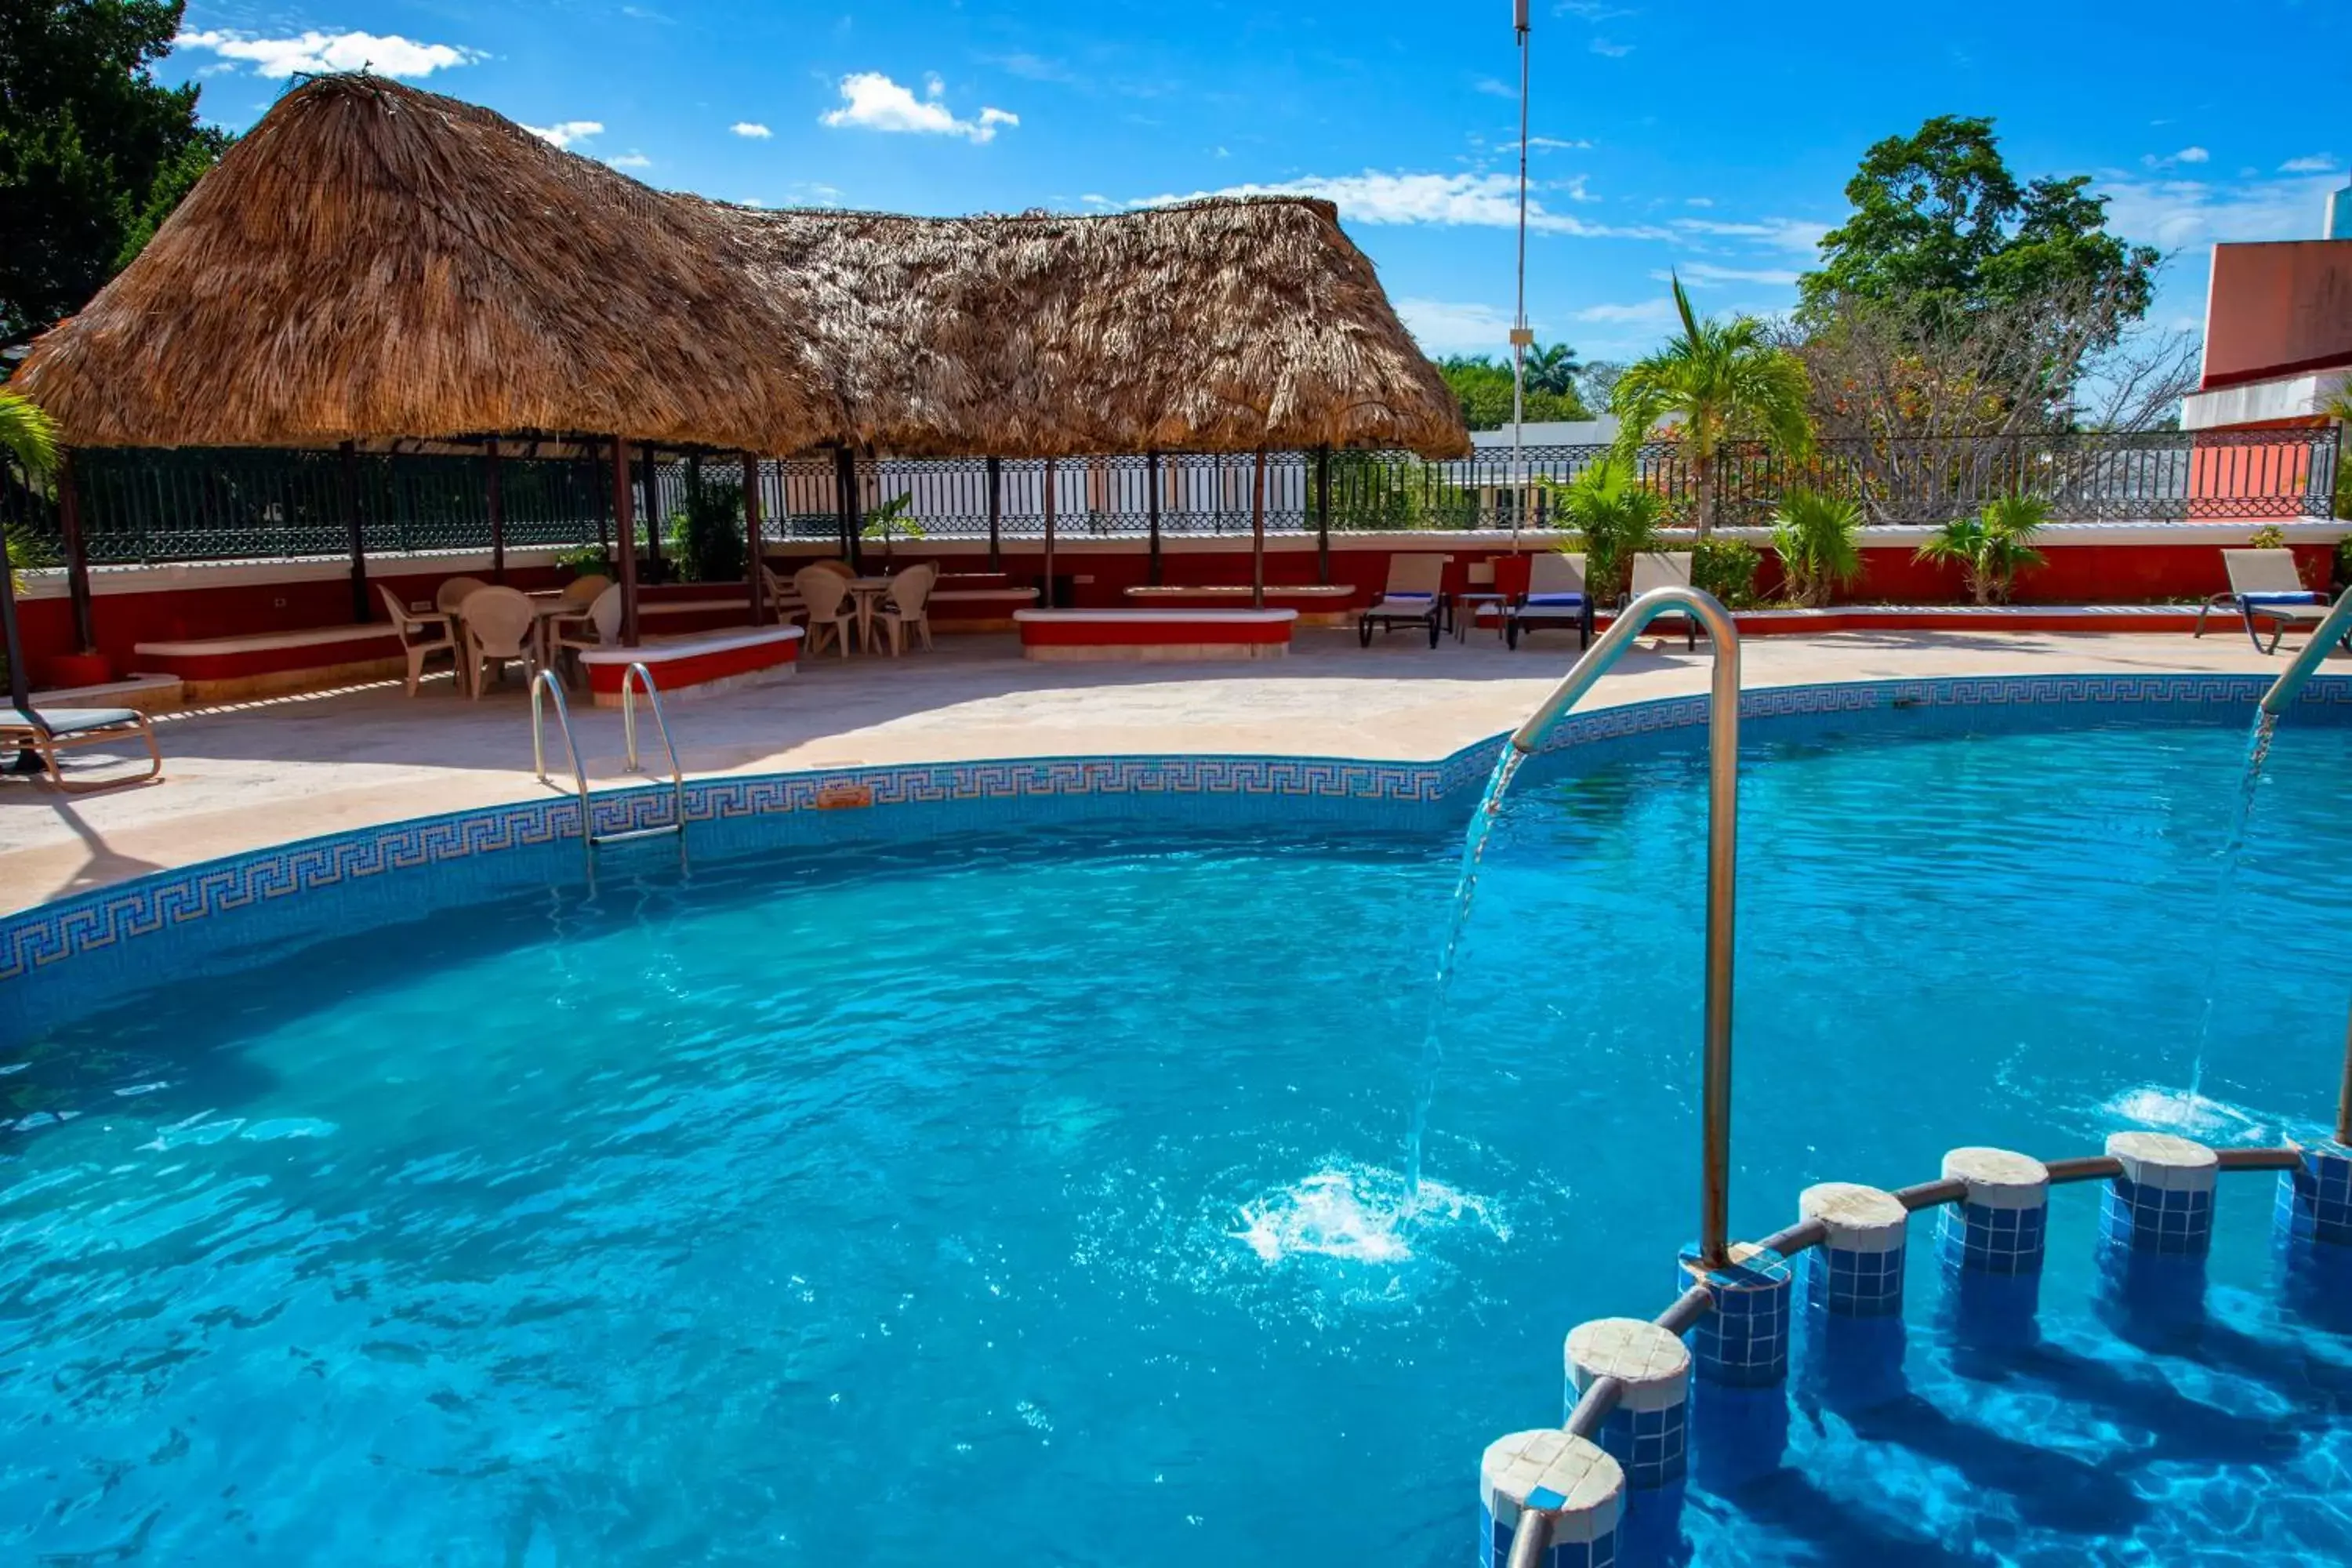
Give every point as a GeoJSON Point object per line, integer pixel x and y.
{"type": "Point", "coordinates": [809, 806]}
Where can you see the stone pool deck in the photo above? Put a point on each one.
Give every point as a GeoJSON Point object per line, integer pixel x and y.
{"type": "Point", "coordinates": [243, 776]}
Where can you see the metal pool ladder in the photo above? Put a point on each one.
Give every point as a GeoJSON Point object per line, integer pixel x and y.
{"type": "Point", "coordinates": [543, 685]}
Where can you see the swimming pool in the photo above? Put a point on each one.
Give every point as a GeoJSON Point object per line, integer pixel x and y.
{"type": "Point", "coordinates": [1033, 1197]}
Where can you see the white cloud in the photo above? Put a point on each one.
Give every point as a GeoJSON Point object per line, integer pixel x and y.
{"type": "Point", "coordinates": [2172, 159]}
{"type": "Point", "coordinates": [1613, 50]}
{"type": "Point", "coordinates": [1698, 201]}
{"type": "Point", "coordinates": [2170, 214]}
{"type": "Point", "coordinates": [1554, 144]}
{"type": "Point", "coordinates": [1704, 273]}
{"type": "Point", "coordinates": [1445, 327]}
{"type": "Point", "coordinates": [752, 128]}
{"type": "Point", "coordinates": [631, 159]}
{"type": "Point", "coordinates": [2316, 163]}
{"type": "Point", "coordinates": [568, 131]}
{"type": "Point", "coordinates": [1645, 312]}
{"type": "Point", "coordinates": [2193, 155]}
{"type": "Point", "coordinates": [1462, 200]}
{"type": "Point", "coordinates": [1493, 88]}
{"type": "Point", "coordinates": [390, 55]}
{"type": "Point", "coordinates": [872, 102]}
{"type": "Point", "coordinates": [1781, 233]}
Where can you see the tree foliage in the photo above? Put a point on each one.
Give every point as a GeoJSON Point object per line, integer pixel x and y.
{"type": "Point", "coordinates": [94, 152]}
{"type": "Point", "coordinates": [1717, 381]}
{"type": "Point", "coordinates": [1939, 218]}
{"type": "Point", "coordinates": [1483, 387]}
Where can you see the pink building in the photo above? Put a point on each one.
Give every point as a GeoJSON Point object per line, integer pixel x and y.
{"type": "Point", "coordinates": [2278, 335]}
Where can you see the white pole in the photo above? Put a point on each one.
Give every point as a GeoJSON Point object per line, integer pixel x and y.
{"type": "Point", "coordinates": [1520, 336]}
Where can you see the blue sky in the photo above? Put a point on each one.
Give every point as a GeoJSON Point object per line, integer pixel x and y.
{"type": "Point", "coordinates": [1710, 138]}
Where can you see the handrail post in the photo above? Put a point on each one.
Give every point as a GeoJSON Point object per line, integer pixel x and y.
{"type": "Point", "coordinates": [2330, 631]}
{"type": "Point", "coordinates": [635, 676]}
{"type": "Point", "coordinates": [2343, 1095]}
{"type": "Point", "coordinates": [1722, 863]}
{"type": "Point", "coordinates": [545, 682]}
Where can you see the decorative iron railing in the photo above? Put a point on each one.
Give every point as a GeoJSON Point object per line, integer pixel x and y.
{"type": "Point", "coordinates": [156, 506]}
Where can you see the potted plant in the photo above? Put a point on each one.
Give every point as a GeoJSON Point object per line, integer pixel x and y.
{"type": "Point", "coordinates": [1992, 547]}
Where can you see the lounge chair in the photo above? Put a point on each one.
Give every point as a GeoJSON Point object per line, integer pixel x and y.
{"type": "Point", "coordinates": [1415, 597]}
{"type": "Point", "coordinates": [2264, 585]}
{"type": "Point", "coordinates": [63, 729]}
{"type": "Point", "coordinates": [1655, 570]}
{"type": "Point", "coordinates": [901, 608]}
{"type": "Point", "coordinates": [423, 633]}
{"type": "Point", "coordinates": [1556, 596]}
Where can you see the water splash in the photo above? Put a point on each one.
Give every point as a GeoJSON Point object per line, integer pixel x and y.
{"type": "Point", "coordinates": [2232, 852]}
{"type": "Point", "coordinates": [1359, 1214]}
{"type": "Point", "coordinates": [1465, 888]}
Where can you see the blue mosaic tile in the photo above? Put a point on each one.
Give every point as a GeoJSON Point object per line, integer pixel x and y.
{"type": "Point", "coordinates": [1744, 1341]}
{"type": "Point", "coordinates": [1494, 1546]}
{"type": "Point", "coordinates": [1854, 1284]}
{"type": "Point", "coordinates": [2314, 1199]}
{"type": "Point", "coordinates": [1653, 1447]}
{"type": "Point", "coordinates": [2169, 1220]}
{"type": "Point", "coordinates": [1976, 1238]}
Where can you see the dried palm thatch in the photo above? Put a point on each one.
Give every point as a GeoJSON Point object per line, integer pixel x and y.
{"type": "Point", "coordinates": [1219, 325]}
{"type": "Point", "coordinates": [375, 263]}
{"type": "Point", "coordinates": [371, 262]}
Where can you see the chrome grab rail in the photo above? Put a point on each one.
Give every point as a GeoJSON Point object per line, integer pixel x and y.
{"type": "Point", "coordinates": [633, 676]}
{"type": "Point", "coordinates": [2330, 632]}
{"type": "Point", "coordinates": [545, 682]}
{"type": "Point", "coordinates": [1722, 861]}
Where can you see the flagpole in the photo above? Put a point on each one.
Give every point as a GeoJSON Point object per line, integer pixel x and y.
{"type": "Point", "coordinates": [1520, 336]}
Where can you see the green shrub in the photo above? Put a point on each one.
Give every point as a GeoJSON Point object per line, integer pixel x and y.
{"type": "Point", "coordinates": [705, 532]}
{"type": "Point", "coordinates": [1993, 547]}
{"type": "Point", "coordinates": [1612, 516]}
{"type": "Point", "coordinates": [1726, 568]}
{"type": "Point", "coordinates": [2271, 538]}
{"type": "Point", "coordinates": [1818, 538]}
{"type": "Point", "coordinates": [586, 561]}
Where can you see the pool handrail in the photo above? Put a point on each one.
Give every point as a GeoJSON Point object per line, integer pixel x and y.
{"type": "Point", "coordinates": [1722, 861]}
{"type": "Point", "coordinates": [2324, 638]}
{"type": "Point", "coordinates": [637, 675]}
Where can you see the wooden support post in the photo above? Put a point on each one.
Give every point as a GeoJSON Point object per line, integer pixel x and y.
{"type": "Point", "coordinates": [845, 487]}
{"type": "Point", "coordinates": [624, 528]}
{"type": "Point", "coordinates": [1048, 593]}
{"type": "Point", "coordinates": [20, 694]}
{"type": "Point", "coordinates": [76, 554]}
{"type": "Point", "coordinates": [995, 514]}
{"type": "Point", "coordinates": [1257, 532]}
{"type": "Point", "coordinates": [597, 485]}
{"type": "Point", "coordinates": [1151, 511]}
{"type": "Point", "coordinates": [497, 503]}
{"type": "Point", "coordinates": [359, 532]}
{"type": "Point", "coordinates": [1323, 514]}
{"type": "Point", "coordinates": [755, 551]}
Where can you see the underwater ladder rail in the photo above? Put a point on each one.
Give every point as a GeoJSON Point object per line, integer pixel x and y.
{"type": "Point", "coordinates": [1562, 1481]}
{"type": "Point", "coordinates": [544, 684]}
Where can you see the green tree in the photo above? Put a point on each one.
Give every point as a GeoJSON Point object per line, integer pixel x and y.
{"type": "Point", "coordinates": [94, 152]}
{"type": "Point", "coordinates": [1553, 368]}
{"type": "Point", "coordinates": [1939, 217]}
{"type": "Point", "coordinates": [1483, 388]}
{"type": "Point", "coordinates": [1717, 380]}
{"type": "Point", "coordinates": [1613, 517]}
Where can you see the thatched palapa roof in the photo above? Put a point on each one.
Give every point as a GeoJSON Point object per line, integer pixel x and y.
{"type": "Point", "coordinates": [375, 263]}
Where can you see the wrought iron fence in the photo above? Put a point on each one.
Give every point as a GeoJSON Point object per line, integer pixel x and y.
{"type": "Point", "coordinates": [160, 506]}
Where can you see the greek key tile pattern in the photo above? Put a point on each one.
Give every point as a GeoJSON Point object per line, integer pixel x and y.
{"type": "Point", "coordinates": [785, 809]}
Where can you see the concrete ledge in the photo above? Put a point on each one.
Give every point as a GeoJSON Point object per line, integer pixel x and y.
{"type": "Point", "coordinates": [700, 663]}
{"type": "Point", "coordinates": [147, 693]}
{"type": "Point", "coordinates": [1154, 635]}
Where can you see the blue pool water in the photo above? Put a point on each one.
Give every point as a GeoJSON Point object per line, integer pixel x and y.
{"type": "Point", "coordinates": [1036, 1200]}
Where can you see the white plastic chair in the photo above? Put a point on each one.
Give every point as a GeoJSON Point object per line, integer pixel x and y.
{"type": "Point", "coordinates": [502, 626]}
{"type": "Point", "coordinates": [599, 627]}
{"type": "Point", "coordinates": [782, 597]}
{"type": "Point", "coordinates": [901, 608]}
{"type": "Point", "coordinates": [826, 595]}
{"type": "Point", "coordinates": [585, 590]}
{"type": "Point", "coordinates": [450, 597]}
{"type": "Point", "coordinates": [423, 633]}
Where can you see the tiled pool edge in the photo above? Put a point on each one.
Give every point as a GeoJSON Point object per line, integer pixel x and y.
{"type": "Point", "coordinates": [60, 958]}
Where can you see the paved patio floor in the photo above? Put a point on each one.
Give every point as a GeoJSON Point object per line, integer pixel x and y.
{"type": "Point", "coordinates": [244, 776]}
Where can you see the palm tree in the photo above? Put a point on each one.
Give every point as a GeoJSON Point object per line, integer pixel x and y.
{"type": "Point", "coordinates": [1716, 380]}
{"type": "Point", "coordinates": [1553, 369]}
{"type": "Point", "coordinates": [1614, 515]}
{"type": "Point", "coordinates": [27, 435]}
{"type": "Point", "coordinates": [1992, 548]}
{"type": "Point", "coordinates": [1818, 538]}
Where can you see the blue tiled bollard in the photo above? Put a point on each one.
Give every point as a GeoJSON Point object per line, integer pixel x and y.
{"type": "Point", "coordinates": [1857, 1270]}
{"type": "Point", "coordinates": [1744, 1341]}
{"type": "Point", "coordinates": [2314, 1199]}
{"type": "Point", "coordinates": [1648, 1433]}
{"type": "Point", "coordinates": [2163, 1200]}
{"type": "Point", "coordinates": [2000, 1225]}
{"type": "Point", "coordinates": [1571, 1478]}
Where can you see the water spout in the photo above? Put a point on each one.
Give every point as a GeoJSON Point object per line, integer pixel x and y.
{"type": "Point", "coordinates": [2331, 632]}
